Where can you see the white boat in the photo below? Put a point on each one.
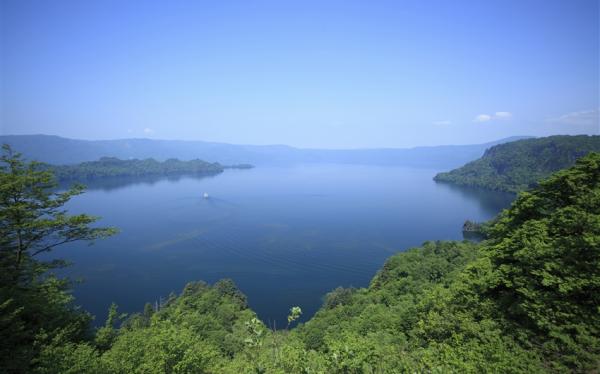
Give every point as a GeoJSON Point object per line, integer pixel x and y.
{"type": "Point", "coordinates": [206, 195]}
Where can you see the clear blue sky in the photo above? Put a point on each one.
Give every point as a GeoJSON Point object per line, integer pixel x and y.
{"type": "Point", "coordinates": [311, 74]}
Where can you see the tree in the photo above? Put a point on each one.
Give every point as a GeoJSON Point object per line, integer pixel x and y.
{"type": "Point", "coordinates": [32, 218]}
{"type": "Point", "coordinates": [546, 251]}
{"type": "Point", "coordinates": [35, 305]}
{"type": "Point", "coordinates": [106, 335]}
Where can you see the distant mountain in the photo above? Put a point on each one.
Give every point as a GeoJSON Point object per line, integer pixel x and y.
{"type": "Point", "coordinates": [58, 150]}
{"type": "Point", "coordinates": [519, 165]}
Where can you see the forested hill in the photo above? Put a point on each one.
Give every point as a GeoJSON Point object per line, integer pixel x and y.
{"type": "Point", "coordinates": [114, 167]}
{"type": "Point", "coordinates": [523, 301]}
{"type": "Point", "coordinates": [519, 165]}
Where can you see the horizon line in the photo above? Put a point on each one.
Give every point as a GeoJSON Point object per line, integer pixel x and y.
{"type": "Point", "coordinates": [283, 145]}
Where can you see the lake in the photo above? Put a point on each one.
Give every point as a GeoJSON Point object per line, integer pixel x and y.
{"type": "Point", "coordinates": [285, 235]}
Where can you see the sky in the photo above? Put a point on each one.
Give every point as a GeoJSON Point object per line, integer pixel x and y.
{"type": "Point", "coordinates": [317, 74]}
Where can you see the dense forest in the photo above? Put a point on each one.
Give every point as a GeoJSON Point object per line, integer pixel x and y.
{"type": "Point", "coordinates": [519, 165]}
{"type": "Point", "coordinates": [114, 167]}
{"type": "Point", "coordinates": [526, 299]}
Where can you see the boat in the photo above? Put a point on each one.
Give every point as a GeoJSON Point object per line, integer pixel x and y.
{"type": "Point", "coordinates": [206, 195]}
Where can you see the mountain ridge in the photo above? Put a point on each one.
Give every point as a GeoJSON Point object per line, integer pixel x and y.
{"type": "Point", "coordinates": [54, 149]}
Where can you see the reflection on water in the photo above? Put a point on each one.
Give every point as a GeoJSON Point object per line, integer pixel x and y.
{"type": "Point", "coordinates": [114, 183]}
{"type": "Point", "coordinates": [492, 201]}
{"type": "Point", "coordinates": [473, 236]}
{"type": "Point", "coordinates": [286, 236]}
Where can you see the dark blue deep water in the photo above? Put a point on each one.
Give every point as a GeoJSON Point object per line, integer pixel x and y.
{"type": "Point", "coordinates": [286, 236]}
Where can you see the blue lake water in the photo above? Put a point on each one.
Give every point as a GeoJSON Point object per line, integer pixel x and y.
{"type": "Point", "coordinates": [285, 235]}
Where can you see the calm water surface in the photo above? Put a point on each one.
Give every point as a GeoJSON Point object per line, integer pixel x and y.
{"type": "Point", "coordinates": [286, 236]}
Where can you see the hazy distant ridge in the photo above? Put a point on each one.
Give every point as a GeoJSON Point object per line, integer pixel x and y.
{"type": "Point", "coordinates": [58, 150]}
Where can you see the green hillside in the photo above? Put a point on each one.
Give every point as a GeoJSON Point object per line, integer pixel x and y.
{"type": "Point", "coordinates": [519, 165]}
{"type": "Point", "coordinates": [113, 167]}
{"type": "Point", "coordinates": [526, 300]}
